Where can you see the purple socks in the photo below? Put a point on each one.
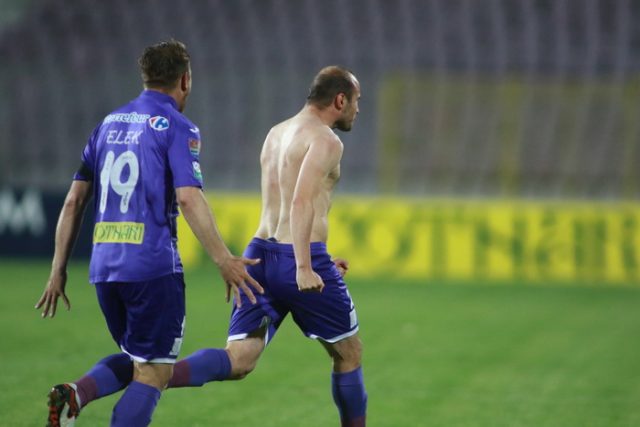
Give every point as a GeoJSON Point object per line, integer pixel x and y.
{"type": "Point", "coordinates": [350, 397]}
{"type": "Point", "coordinates": [111, 374]}
{"type": "Point", "coordinates": [136, 406]}
{"type": "Point", "coordinates": [201, 367]}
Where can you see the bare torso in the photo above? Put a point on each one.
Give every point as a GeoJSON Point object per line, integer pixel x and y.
{"type": "Point", "coordinates": [283, 154]}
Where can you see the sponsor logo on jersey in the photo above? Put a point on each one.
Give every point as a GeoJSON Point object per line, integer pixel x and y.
{"type": "Point", "coordinates": [197, 173]}
{"type": "Point", "coordinates": [118, 232]}
{"type": "Point", "coordinates": [132, 117]}
{"type": "Point", "coordinates": [159, 123]}
{"type": "Point", "coordinates": [194, 147]}
{"type": "Point", "coordinates": [194, 129]}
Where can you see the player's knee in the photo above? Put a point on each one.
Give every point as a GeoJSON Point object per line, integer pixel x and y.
{"type": "Point", "coordinates": [155, 375]}
{"type": "Point", "coordinates": [347, 354]}
{"type": "Point", "coordinates": [353, 352]}
{"type": "Point", "coordinates": [163, 381]}
{"type": "Point", "coordinates": [357, 354]}
{"type": "Point", "coordinates": [241, 367]}
{"type": "Point", "coordinates": [243, 362]}
{"type": "Point", "coordinates": [240, 371]}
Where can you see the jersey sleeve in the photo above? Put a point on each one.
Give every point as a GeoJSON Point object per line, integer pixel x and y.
{"type": "Point", "coordinates": [86, 170]}
{"type": "Point", "coordinates": [184, 158]}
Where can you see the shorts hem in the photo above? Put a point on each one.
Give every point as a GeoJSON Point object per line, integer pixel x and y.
{"type": "Point", "coordinates": [237, 337]}
{"type": "Point", "coordinates": [166, 360]}
{"type": "Point", "coordinates": [107, 280]}
{"type": "Point", "coordinates": [264, 323]}
{"type": "Point", "coordinates": [336, 338]}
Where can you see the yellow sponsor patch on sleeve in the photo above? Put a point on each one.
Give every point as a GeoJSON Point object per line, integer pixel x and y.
{"type": "Point", "coordinates": [118, 232]}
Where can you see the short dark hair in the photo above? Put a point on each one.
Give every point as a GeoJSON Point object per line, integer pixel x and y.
{"type": "Point", "coordinates": [163, 64]}
{"type": "Point", "coordinates": [328, 83]}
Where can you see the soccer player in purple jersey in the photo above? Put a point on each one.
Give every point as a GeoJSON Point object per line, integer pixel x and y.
{"type": "Point", "coordinates": [141, 162]}
{"type": "Point", "coordinates": [300, 166]}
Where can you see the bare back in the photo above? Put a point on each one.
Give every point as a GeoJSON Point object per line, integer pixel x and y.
{"type": "Point", "coordinates": [300, 157]}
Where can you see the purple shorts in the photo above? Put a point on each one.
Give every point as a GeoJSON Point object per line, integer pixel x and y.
{"type": "Point", "coordinates": [146, 319]}
{"type": "Point", "coordinates": [329, 315]}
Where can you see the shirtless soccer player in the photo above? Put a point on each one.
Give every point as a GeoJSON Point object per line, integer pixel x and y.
{"type": "Point", "coordinates": [300, 165]}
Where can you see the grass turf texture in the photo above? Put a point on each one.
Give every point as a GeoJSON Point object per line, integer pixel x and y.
{"type": "Point", "coordinates": [435, 355]}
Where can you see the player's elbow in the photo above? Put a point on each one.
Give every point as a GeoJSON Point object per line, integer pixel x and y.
{"type": "Point", "coordinates": [74, 202]}
{"type": "Point", "coordinates": [300, 205]}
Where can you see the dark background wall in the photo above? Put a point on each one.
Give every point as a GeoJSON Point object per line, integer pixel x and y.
{"type": "Point", "coordinates": [517, 98]}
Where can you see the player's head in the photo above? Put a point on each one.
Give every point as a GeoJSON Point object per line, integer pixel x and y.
{"type": "Point", "coordinates": [166, 67]}
{"type": "Point", "coordinates": [336, 87]}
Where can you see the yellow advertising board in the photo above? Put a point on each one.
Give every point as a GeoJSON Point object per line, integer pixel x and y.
{"type": "Point", "coordinates": [497, 240]}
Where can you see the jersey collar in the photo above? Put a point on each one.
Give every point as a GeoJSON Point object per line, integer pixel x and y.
{"type": "Point", "coordinates": [159, 97]}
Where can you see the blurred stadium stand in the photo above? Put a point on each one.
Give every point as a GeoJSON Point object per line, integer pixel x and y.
{"type": "Point", "coordinates": [495, 98]}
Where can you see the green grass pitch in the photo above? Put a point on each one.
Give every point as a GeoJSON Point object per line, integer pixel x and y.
{"type": "Point", "coordinates": [434, 355]}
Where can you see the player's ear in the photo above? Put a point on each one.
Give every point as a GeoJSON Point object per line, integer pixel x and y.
{"type": "Point", "coordinates": [339, 101]}
{"type": "Point", "coordinates": [184, 81]}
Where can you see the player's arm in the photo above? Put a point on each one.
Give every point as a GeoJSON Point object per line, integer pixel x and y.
{"type": "Point", "coordinates": [321, 158]}
{"type": "Point", "coordinates": [196, 211]}
{"type": "Point", "coordinates": [67, 231]}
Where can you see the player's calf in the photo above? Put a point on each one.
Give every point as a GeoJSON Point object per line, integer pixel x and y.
{"type": "Point", "coordinates": [350, 397]}
{"type": "Point", "coordinates": [201, 367]}
{"type": "Point", "coordinates": [347, 382]}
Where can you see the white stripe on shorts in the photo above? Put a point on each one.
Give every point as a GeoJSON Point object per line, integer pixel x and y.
{"type": "Point", "coordinates": [335, 339]}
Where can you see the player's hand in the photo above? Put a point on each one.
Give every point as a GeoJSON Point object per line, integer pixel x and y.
{"type": "Point", "coordinates": [308, 280]}
{"type": "Point", "coordinates": [52, 291]}
{"type": "Point", "coordinates": [234, 273]}
{"type": "Point", "coordinates": [342, 265]}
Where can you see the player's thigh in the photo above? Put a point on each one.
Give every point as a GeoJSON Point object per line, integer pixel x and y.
{"type": "Point", "coordinates": [154, 374]}
{"type": "Point", "coordinates": [155, 319]}
{"type": "Point", "coordinates": [244, 353]}
{"type": "Point", "coordinates": [329, 315]}
{"type": "Point", "coordinates": [113, 309]}
{"type": "Point", "coordinates": [346, 353]}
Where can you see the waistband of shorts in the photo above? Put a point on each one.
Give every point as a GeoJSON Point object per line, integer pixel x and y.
{"type": "Point", "coordinates": [287, 248]}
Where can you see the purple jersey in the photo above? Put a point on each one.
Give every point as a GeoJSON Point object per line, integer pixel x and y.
{"type": "Point", "coordinates": [136, 158]}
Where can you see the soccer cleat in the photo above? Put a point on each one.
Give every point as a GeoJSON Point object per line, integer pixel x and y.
{"type": "Point", "coordinates": [63, 406]}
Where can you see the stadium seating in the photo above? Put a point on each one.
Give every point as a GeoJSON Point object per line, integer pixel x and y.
{"type": "Point", "coordinates": [533, 98]}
